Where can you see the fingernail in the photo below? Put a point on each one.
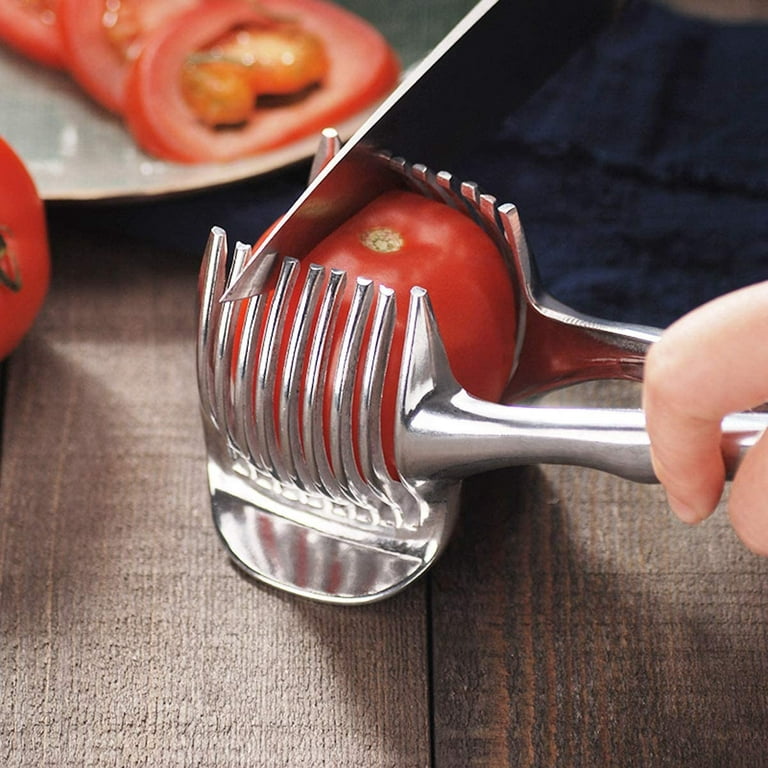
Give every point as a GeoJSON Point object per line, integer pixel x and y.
{"type": "Point", "coordinates": [685, 511]}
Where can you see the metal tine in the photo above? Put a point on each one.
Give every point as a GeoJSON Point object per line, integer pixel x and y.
{"type": "Point", "coordinates": [424, 180]}
{"type": "Point", "coordinates": [290, 391]}
{"type": "Point", "coordinates": [266, 447]}
{"type": "Point", "coordinates": [293, 449]}
{"type": "Point", "coordinates": [341, 430]}
{"type": "Point", "coordinates": [480, 206]}
{"type": "Point", "coordinates": [399, 164]}
{"type": "Point", "coordinates": [492, 219]}
{"type": "Point", "coordinates": [211, 285]}
{"type": "Point", "coordinates": [425, 361]}
{"type": "Point", "coordinates": [244, 381]}
{"type": "Point", "coordinates": [420, 177]}
{"type": "Point", "coordinates": [484, 210]}
{"type": "Point", "coordinates": [413, 173]}
{"type": "Point", "coordinates": [242, 428]}
{"type": "Point", "coordinates": [370, 448]}
{"type": "Point", "coordinates": [222, 364]}
{"type": "Point", "coordinates": [514, 235]}
{"type": "Point", "coordinates": [445, 182]}
{"type": "Point", "coordinates": [313, 434]}
{"type": "Point", "coordinates": [462, 195]}
{"type": "Point", "coordinates": [444, 187]}
{"type": "Point", "coordinates": [328, 147]}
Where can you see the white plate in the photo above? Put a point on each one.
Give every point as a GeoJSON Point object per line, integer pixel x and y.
{"type": "Point", "coordinates": [75, 150]}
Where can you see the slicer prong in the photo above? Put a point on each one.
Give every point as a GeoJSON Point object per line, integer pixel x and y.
{"type": "Point", "coordinates": [327, 148]}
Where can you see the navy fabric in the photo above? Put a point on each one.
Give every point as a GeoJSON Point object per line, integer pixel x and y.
{"type": "Point", "coordinates": [640, 171]}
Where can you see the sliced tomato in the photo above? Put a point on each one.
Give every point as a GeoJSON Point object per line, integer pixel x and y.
{"type": "Point", "coordinates": [362, 68]}
{"type": "Point", "coordinates": [101, 38]}
{"type": "Point", "coordinates": [402, 239]}
{"type": "Point", "coordinates": [31, 27]}
{"type": "Point", "coordinates": [24, 255]}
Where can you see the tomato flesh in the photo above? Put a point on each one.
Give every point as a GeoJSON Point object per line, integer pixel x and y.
{"type": "Point", "coordinates": [403, 239]}
{"type": "Point", "coordinates": [361, 69]}
{"type": "Point", "coordinates": [283, 58]}
{"type": "Point", "coordinates": [24, 255]}
{"type": "Point", "coordinates": [218, 92]}
{"type": "Point", "coordinates": [221, 85]}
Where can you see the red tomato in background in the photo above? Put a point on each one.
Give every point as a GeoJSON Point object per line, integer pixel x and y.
{"type": "Point", "coordinates": [100, 48]}
{"type": "Point", "coordinates": [403, 239]}
{"type": "Point", "coordinates": [362, 69]}
{"type": "Point", "coordinates": [24, 255]}
{"type": "Point", "coordinates": [30, 26]}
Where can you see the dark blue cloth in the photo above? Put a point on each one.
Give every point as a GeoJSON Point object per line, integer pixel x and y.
{"type": "Point", "coordinates": [640, 171]}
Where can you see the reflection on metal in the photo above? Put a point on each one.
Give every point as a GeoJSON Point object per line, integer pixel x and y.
{"type": "Point", "coordinates": [304, 500]}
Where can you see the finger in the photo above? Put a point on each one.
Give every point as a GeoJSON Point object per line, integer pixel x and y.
{"type": "Point", "coordinates": [712, 362]}
{"type": "Point", "coordinates": [748, 502]}
{"type": "Point", "coordinates": [685, 451]}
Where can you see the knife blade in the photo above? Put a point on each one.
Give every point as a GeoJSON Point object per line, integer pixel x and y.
{"type": "Point", "coordinates": [489, 64]}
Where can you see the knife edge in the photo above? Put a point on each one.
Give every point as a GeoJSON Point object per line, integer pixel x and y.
{"type": "Point", "coordinates": [513, 38]}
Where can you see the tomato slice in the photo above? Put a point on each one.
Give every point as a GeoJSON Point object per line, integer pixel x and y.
{"type": "Point", "coordinates": [31, 27]}
{"type": "Point", "coordinates": [402, 239]}
{"type": "Point", "coordinates": [24, 255]}
{"type": "Point", "coordinates": [362, 68]}
{"type": "Point", "coordinates": [101, 39]}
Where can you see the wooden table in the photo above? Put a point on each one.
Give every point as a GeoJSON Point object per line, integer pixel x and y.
{"type": "Point", "coordinates": [571, 622]}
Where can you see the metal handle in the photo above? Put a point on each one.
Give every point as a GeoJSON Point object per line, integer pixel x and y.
{"type": "Point", "coordinates": [494, 436]}
{"type": "Point", "coordinates": [562, 346]}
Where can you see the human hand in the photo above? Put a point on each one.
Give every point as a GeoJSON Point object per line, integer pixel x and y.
{"type": "Point", "coordinates": [711, 362]}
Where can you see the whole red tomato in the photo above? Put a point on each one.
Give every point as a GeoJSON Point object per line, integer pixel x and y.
{"type": "Point", "coordinates": [24, 255]}
{"type": "Point", "coordinates": [403, 239]}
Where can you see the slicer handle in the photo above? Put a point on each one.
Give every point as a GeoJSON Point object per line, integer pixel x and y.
{"type": "Point", "coordinates": [562, 346]}
{"type": "Point", "coordinates": [613, 440]}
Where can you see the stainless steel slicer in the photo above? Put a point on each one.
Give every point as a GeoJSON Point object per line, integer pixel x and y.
{"type": "Point", "coordinates": [307, 503]}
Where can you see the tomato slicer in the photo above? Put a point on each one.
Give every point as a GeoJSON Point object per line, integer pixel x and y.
{"type": "Point", "coordinates": [308, 504]}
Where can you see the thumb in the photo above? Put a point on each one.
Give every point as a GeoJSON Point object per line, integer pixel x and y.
{"type": "Point", "coordinates": [748, 501]}
{"type": "Point", "coordinates": [710, 363]}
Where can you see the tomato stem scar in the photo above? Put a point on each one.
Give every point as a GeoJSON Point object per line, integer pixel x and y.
{"type": "Point", "coordinates": [382, 240]}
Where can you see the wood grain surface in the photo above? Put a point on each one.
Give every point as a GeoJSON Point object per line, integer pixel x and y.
{"type": "Point", "coordinates": [576, 624]}
{"type": "Point", "coordinates": [571, 622]}
{"type": "Point", "coordinates": [126, 637]}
